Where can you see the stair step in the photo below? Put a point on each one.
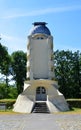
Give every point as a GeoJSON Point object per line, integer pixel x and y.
{"type": "Point", "coordinates": [40, 108]}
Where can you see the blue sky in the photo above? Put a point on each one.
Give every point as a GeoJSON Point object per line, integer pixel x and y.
{"type": "Point", "coordinates": [63, 18]}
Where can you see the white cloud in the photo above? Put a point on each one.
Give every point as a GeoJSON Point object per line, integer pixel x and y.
{"type": "Point", "coordinates": [16, 14]}
{"type": "Point", "coordinates": [13, 43]}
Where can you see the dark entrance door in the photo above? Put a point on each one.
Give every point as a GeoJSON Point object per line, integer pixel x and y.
{"type": "Point", "coordinates": [41, 94]}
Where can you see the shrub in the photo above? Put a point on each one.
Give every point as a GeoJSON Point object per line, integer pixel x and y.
{"type": "Point", "coordinates": [9, 103]}
{"type": "Point", "coordinates": [74, 103]}
{"type": "Point", "coordinates": [12, 92]}
{"type": "Point", "coordinates": [8, 91]}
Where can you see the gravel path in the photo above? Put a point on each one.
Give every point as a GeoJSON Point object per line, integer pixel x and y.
{"type": "Point", "coordinates": [40, 122]}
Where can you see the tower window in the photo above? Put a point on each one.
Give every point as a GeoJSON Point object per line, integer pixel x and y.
{"type": "Point", "coordinates": [40, 38]}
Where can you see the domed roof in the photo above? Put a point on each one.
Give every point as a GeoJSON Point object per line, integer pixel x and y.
{"type": "Point", "coordinates": [39, 27]}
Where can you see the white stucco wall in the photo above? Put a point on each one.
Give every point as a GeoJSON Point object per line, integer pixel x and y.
{"type": "Point", "coordinates": [40, 58]}
{"type": "Point", "coordinates": [39, 62]}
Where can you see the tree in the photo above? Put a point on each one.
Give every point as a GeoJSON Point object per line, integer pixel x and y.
{"type": "Point", "coordinates": [19, 69]}
{"type": "Point", "coordinates": [62, 70]}
{"type": "Point", "coordinates": [8, 92]}
{"type": "Point", "coordinates": [80, 71]}
{"type": "Point", "coordinates": [76, 76]}
{"type": "Point", "coordinates": [5, 62]}
{"type": "Point", "coordinates": [68, 72]}
{"type": "Point", "coordinates": [3, 91]}
{"type": "Point", "coordinates": [12, 92]}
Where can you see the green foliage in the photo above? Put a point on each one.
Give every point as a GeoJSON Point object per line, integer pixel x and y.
{"type": "Point", "coordinates": [19, 69]}
{"type": "Point", "coordinates": [74, 103]}
{"type": "Point", "coordinates": [5, 62]}
{"type": "Point", "coordinates": [8, 92]}
{"type": "Point", "coordinates": [68, 72]}
{"type": "Point", "coordinates": [9, 102]}
{"type": "Point", "coordinates": [12, 92]}
{"type": "Point", "coordinates": [3, 91]}
{"type": "Point", "coordinates": [14, 65]}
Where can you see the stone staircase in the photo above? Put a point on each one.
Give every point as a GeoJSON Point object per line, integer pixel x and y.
{"type": "Point", "coordinates": [40, 107]}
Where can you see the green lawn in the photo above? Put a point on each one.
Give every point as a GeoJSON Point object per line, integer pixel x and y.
{"type": "Point", "coordinates": [7, 100]}
{"type": "Point", "coordinates": [73, 111]}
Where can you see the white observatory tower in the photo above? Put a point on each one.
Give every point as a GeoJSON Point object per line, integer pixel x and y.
{"type": "Point", "coordinates": [40, 92]}
{"type": "Point", "coordinates": [40, 51]}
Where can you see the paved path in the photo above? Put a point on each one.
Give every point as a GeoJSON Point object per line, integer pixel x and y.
{"type": "Point", "coordinates": [40, 122]}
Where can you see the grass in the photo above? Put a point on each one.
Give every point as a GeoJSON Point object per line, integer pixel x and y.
{"type": "Point", "coordinates": [73, 111]}
{"type": "Point", "coordinates": [7, 100]}
{"type": "Point", "coordinates": [7, 112]}
{"type": "Point", "coordinates": [76, 110]}
{"type": "Point", "coordinates": [74, 99]}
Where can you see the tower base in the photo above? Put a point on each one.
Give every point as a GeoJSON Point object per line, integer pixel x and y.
{"type": "Point", "coordinates": [40, 91]}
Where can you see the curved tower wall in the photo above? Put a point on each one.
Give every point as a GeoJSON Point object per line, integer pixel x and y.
{"type": "Point", "coordinates": [39, 57]}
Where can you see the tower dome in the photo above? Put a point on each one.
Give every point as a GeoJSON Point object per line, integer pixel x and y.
{"type": "Point", "coordinates": [40, 27]}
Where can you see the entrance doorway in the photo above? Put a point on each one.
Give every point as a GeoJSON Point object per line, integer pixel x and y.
{"type": "Point", "coordinates": [41, 94]}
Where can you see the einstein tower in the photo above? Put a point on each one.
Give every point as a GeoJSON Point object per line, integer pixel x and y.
{"type": "Point", "coordinates": [40, 92]}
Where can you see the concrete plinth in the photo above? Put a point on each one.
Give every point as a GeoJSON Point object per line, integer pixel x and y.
{"type": "Point", "coordinates": [53, 98]}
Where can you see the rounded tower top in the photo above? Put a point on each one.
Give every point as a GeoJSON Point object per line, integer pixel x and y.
{"type": "Point", "coordinates": [40, 27]}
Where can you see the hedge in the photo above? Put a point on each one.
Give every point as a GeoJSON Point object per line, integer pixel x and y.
{"type": "Point", "coordinates": [74, 103]}
{"type": "Point", "coordinates": [9, 102]}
